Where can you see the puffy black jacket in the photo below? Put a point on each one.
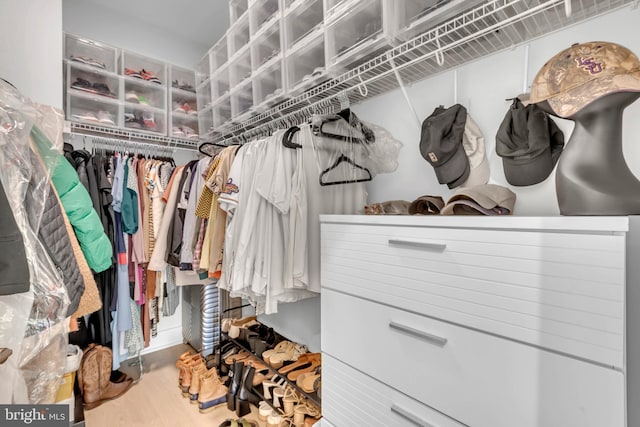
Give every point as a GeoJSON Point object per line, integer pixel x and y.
{"type": "Point", "coordinates": [14, 269]}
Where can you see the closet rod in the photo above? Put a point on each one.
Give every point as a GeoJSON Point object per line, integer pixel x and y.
{"type": "Point", "coordinates": [115, 143]}
{"type": "Point", "coordinates": [329, 105]}
{"type": "Point", "coordinates": [89, 130]}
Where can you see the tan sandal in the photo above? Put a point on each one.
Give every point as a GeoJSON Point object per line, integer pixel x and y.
{"type": "Point", "coordinates": [292, 353]}
{"type": "Point", "coordinates": [238, 357]}
{"type": "Point", "coordinates": [279, 348]}
{"type": "Point", "coordinates": [305, 360]}
{"type": "Point", "coordinates": [290, 400]}
{"type": "Point", "coordinates": [303, 409]}
{"type": "Point", "coordinates": [308, 381]}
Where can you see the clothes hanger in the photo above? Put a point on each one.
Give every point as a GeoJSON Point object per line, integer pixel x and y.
{"type": "Point", "coordinates": [345, 159]}
{"type": "Point", "coordinates": [209, 144]}
{"type": "Point", "coordinates": [287, 138]}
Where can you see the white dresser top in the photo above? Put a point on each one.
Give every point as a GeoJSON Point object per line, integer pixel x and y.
{"type": "Point", "coordinates": [607, 224]}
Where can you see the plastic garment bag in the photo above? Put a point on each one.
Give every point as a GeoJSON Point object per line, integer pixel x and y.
{"type": "Point", "coordinates": [348, 150]}
{"type": "Point", "coordinates": [32, 324]}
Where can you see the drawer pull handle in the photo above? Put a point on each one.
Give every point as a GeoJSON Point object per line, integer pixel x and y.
{"type": "Point", "coordinates": [441, 341]}
{"type": "Point", "coordinates": [419, 244]}
{"type": "Point", "coordinates": [409, 416]}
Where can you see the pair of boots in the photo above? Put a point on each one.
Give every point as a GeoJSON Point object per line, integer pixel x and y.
{"type": "Point", "coordinates": [94, 377]}
{"type": "Point", "coordinates": [241, 393]}
{"type": "Point", "coordinates": [184, 364]}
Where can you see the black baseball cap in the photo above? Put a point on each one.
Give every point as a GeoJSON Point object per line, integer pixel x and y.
{"type": "Point", "coordinates": [441, 144]}
{"type": "Point", "coordinates": [530, 144]}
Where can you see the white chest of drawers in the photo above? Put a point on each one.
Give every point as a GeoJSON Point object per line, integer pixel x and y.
{"type": "Point", "coordinates": [481, 321]}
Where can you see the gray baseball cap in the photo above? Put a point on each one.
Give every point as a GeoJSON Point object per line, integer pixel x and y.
{"type": "Point", "coordinates": [530, 144]}
{"type": "Point", "coordinates": [441, 144]}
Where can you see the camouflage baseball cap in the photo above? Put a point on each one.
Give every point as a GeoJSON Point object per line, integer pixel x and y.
{"type": "Point", "coordinates": [579, 75]}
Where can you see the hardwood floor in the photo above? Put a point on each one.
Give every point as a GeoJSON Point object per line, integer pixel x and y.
{"type": "Point", "coordinates": [156, 400]}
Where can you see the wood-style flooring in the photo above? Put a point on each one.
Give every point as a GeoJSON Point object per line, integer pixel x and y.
{"type": "Point", "coordinates": [156, 401]}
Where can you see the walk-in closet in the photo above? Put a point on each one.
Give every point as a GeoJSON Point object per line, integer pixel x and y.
{"type": "Point", "coordinates": [330, 213]}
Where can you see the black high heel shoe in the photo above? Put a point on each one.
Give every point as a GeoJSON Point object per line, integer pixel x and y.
{"type": "Point", "coordinates": [235, 386]}
{"type": "Point", "coordinates": [245, 395]}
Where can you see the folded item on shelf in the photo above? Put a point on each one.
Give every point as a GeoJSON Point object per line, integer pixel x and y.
{"type": "Point", "coordinates": [426, 205]}
{"type": "Point", "coordinates": [392, 207]}
{"type": "Point", "coordinates": [486, 199]}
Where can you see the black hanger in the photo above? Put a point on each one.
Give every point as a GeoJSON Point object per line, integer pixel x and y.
{"type": "Point", "coordinates": [344, 159]}
{"type": "Point", "coordinates": [209, 144]}
{"type": "Point", "coordinates": [9, 83]}
{"type": "Point", "coordinates": [319, 130]}
{"type": "Point", "coordinates": [287, 138]}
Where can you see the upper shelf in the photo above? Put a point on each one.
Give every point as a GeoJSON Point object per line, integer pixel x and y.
{"type": "Point", "coordinates": [485, 29]}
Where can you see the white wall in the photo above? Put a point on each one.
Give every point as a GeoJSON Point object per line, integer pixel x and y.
{"type": "Point", "coordinates": [31, 48]}
{"type": "Point", "coordinates": [483, 87]}
{"type": "Point", "coordinates": [100, 23]}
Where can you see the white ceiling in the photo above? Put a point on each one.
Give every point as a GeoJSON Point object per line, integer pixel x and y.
{"type": "Point", "coordinates": [201, 21]}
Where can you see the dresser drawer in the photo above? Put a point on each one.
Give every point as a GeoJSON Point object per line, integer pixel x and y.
{"type": "Point", "coordinates": [561, 291]}
{"type": "Point", "coordinates": [476, 378]}
{"type": "Point", "coordinates": [351, 398]}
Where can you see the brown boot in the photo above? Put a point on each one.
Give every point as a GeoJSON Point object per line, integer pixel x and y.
{"type": "Point", "coordinates": [94, 377]}
{"type": "Point", "coordinates": [186, 362]}
{"type": "Point", "coordinates": [212, 392]}
{"type": "Point", "coordinates": [196, 375]}
{"type": "Point", "coordinates": [186, 372]}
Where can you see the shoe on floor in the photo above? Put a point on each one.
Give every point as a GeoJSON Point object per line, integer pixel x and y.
{"type": "Point", "coordinates": [240, 422]}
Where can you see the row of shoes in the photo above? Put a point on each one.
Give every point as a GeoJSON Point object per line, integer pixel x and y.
{"type": "Point", "coordinates": [184, 131]}
{"type": "Point", "coordinates": [95, 88]}
{"type": "Point", "coordinates": [143, 74]}
{"type": "Point", "coordinates": [100, 116]}
{"type": "Point", "coordinates": [278, 403]}
{"type": "Point", "coordinates": [284, 363]}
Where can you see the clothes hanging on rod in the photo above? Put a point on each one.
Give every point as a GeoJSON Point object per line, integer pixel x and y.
{"type": "Point", "coordinates": [131, 178]}
{"type": "Point", "coordinates": [273, 198]}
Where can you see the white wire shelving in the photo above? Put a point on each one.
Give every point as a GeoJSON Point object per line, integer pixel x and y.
{"type": "Point", "coordinates": [486, 29]}
{"type": "Point", "coordinates": [83, 129]}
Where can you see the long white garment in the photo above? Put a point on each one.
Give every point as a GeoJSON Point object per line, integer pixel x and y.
{"type": "Point", "coordinates": [331, 199]}
{"type": "Point", "coordinates": [250, 239]}
{"type": "Point", "coordinates": [158, 262]}
{"type": "Point", "coordinates": [228, 201]}
{"type": "Point", "coordinates": [275, 183]}
{"type": "Point", "coordinates": [190, 220]}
